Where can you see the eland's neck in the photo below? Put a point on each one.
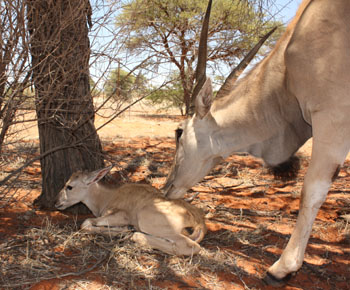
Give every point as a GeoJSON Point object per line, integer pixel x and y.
{"type": "Point", "coordinates": [260, 116]}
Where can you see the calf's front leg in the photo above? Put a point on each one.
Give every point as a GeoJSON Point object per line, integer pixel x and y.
{"type": "Point", "coordinates": [109, 224]}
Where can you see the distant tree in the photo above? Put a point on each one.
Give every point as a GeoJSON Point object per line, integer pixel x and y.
{"type": "Point", "coordinates": [122, 85]}
{"type": "Point", "coordinates": [170, 96]}
{"type": "Point", "coordinates": [119, 84]}
{"type": "Point", "coordinates": [169, 30]}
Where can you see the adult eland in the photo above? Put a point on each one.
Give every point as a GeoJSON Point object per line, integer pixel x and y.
{"type": "Point", "coordinates": [300, 90]}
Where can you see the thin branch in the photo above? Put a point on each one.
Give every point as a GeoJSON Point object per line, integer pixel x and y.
{"type": "Point", "coordinates": [80, 141]}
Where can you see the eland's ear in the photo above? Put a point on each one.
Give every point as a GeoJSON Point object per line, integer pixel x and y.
{"type": "Point", "coordinates": [97, 175]}
{"type": "Point", "coordinates": [204, 99]}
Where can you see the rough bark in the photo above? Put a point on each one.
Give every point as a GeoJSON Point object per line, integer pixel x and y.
{"type": "Point", "coordinates": [60, 58]}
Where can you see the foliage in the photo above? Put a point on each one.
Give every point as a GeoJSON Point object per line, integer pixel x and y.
{"type": "Point", "coordinates": [122, 85]}
{"type": "Point", "coordinates": [170, 96]}
{"type": "Point", "coordinates": [169, 31]}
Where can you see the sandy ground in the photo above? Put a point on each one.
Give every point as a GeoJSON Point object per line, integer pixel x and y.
{"type": "Point", "coordinates": [249, 216]}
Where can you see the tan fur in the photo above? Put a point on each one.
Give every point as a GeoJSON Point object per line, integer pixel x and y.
{"type": "Point", "coordinates": [172, 226]}
{"type": "Point", "coordinates": [300, 90]}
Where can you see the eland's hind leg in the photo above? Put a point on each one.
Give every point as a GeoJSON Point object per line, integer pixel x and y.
{"type": "Point", "coordinates": [330, 146]}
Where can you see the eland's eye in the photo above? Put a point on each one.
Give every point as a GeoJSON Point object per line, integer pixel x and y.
{"type": "Point", "coordinates": [178, 133]}
{"type": "Point", "coordinates": [69, 187]}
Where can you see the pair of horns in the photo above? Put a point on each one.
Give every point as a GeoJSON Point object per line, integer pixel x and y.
{"type": "Point", "coordinates": [203, 55]}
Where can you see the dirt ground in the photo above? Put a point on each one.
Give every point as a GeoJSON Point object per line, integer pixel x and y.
{"type": "Point", "coordinates": [249, 216]}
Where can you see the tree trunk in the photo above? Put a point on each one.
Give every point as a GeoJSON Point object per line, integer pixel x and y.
{"type": "Point", "coordinates": [60, 59]}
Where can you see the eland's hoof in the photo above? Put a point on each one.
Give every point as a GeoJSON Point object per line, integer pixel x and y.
{"type": "Point", "coordinates": [271, 280]}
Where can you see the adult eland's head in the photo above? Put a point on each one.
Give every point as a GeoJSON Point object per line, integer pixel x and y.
{"type": "Point", "coordinates": [197, 145]}
{"type": "Point", "coordinates": [195, 148]}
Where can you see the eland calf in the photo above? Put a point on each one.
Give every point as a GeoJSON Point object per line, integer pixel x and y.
{"type": "Point", "coordinates": [172, 226]}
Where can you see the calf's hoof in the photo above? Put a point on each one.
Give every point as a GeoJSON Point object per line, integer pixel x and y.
{"type": "Point", "coordinates": [139, 238]}
{"type": "Point", "coordinates": [271, 280]}
{"type": "Point", "coordinates": [87, 225]}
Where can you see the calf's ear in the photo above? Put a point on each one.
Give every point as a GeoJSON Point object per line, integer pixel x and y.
{"type": "Point", "coordinates": [204, 99]}
{"type": "Point", "coordinates": [97, 175]}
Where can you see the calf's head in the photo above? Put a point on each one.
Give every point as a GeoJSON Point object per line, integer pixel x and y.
{"type": "Point", "coordinates": [77, 187]}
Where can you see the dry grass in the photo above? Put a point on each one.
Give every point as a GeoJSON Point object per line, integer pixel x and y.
{"type": "Point", "coordinates": [250, 217]}
{"type": "Point", "coordinates": [53, 251]}
{"type": "Point", "coordinates": [41, 252]}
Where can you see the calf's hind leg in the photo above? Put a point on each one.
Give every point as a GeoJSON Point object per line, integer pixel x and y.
{"type": "Point", "coordinates": [174, 245]}
{"type": "Point", "coordinates": [160, 231]}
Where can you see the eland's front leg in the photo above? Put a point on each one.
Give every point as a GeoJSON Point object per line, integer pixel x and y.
{"type": "Point", "coordinates": [327, 157]}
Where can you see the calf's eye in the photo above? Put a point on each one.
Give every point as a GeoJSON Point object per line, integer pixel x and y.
{"type": "Point", "coordinates": [69, 187]}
